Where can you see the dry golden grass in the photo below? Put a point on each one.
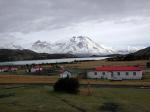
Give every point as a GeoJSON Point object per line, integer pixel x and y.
{"type": "Point", "coordinates": [92, 64]}
{"type": "Point", "coordinates": [4, 79]}
{"type": "Point", "coordinates": [21, 79]}
{"type": "Point", "coordinates": [124, 82]}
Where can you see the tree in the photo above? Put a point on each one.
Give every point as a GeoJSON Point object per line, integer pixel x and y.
{"type": "Point", "coordinates": [68, 85]}
{"type": "Point", "coordinates": [148, 64]}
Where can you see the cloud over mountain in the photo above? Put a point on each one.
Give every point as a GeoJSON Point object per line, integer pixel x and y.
{"type": "Point", "coordinates": [118, 21]}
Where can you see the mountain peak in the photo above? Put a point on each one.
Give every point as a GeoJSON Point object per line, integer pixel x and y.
{"type": "Point", "coordinates": [41, 46]}
{"type": "Point", "coordinates": [80, 38]}
{"type": "Point", "coordinates": [75, 45]}
{"type": "Point", "coordinates": [41, 42]}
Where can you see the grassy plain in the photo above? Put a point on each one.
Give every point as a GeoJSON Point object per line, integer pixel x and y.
{"type": "Point", "coordinates": [43, 99]}
{"type": "Point", "coordinates": [21, 79]}
{"type": "Point", "coordinates": [92, 64]}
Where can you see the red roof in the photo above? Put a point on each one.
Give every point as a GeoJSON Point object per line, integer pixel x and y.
{"type": "Point", "coordinates": [117, 68]}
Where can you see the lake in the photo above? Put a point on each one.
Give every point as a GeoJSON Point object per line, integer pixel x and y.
{"type": "Point", "coordinates": [50, 61]}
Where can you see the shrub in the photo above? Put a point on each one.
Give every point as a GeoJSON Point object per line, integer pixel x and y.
{"type": "Point", "coordinates": [68, 85]}
{"type": "Point", "coordinates": [148, 64]}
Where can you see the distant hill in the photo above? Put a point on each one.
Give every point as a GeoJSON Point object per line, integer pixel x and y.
{"type": "Point", "coordinates": [139, 55]}
{"type": "Point", "coordinates": [25, 54]}
{"type": "Point", "coordinates": [143, 53]}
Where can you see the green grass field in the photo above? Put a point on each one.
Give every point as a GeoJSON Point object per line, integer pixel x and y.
{"type": "Point", "coordinates": [31, 98]}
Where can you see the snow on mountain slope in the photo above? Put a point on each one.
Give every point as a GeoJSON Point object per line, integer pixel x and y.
{"type": "Point", "coordinates": [42, 47]}
{"type": "Point", "coordinates": [129, 49]}
{"type": "Point", "coordinates": [84, 45]}
{"type": "Point", "coordinates": [75, 45]}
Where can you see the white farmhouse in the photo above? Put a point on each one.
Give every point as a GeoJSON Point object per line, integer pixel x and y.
{"type": "Point", "coordinates": [65, 74]}
{"type": "Point", "coordinates": [115, 73]}
{"type": "Point", "coordinates": [35, 69]}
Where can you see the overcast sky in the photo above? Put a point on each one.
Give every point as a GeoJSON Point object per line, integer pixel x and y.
{"type": "Point", "coordinates": [113, 23]}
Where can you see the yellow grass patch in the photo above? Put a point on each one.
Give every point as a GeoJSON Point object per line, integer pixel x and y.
{"type": "Point", "coordinates": [4, 79]}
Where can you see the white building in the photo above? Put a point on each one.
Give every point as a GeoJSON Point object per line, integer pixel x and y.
{"type": "Point", "coordinates": [65, 74]}
{"type": "Point", "coordinates": [115, 73]}
{"type": "Point", "coordinates": [35, 69]}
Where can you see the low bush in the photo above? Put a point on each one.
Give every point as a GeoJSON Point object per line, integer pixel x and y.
{"type": "Point", "coordinates": [68, 85]}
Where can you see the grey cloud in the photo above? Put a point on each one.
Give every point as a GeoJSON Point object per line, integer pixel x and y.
{"type": "Point", "coordinates": [7, 39]}
{"type": "Point", "coordinates": [36, 15]}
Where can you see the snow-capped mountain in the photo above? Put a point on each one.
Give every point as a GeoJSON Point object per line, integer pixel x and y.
{"type": "Point", "coordinates": [129, 50]}
{"type": "Point", "coordinates": [75, 45]}
{"type": "Point", "coordinates": [80, 45]}
{"type": "Point", "coordinates": [42, 47]}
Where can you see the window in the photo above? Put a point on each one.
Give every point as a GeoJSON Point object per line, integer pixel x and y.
{"type": "Point", "coordinates": [112, 74]}
{"type": "Point", "coordinates": [95, 73]}
{"type": "Point", "coordinates": [127, 73]}
{"type": "Point", "coordinates": [103, 73]}
{"type": "Point", "coordinates": [134, 73]}
{"type": "Point", "coordinates": [118, 73]}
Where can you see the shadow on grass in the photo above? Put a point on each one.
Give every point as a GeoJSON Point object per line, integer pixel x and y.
{"type": "Point", "coordinates": [70, 104]}
{"type": "Point", "coordinates": [110, 107]}
{"type": "Point", "coordinates": [7, 95]}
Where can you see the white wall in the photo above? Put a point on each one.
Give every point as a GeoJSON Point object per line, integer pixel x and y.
{"type": "Point", "coordinates": [108, 75]}
{"type": "Point", "coordinates": [65, 74]}
{"type": "Point", "coordinates": [99, 75]}
{"type": "Point", "coordinates": [36, 69]}
{"type": "Point", "coordinates": [130, 75]}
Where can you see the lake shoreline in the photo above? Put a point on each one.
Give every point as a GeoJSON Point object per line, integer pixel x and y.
{"type": "Point", "coordinates": [51, 61]}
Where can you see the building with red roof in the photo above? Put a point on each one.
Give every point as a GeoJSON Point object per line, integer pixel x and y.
{"type": "Point", "coordinates": [7, 68]}
{"type": "Point", "coordinates": [115, 72]}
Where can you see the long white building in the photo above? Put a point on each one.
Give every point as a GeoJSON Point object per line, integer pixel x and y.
{"type": "Point", "coordinates": [115, 73]}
